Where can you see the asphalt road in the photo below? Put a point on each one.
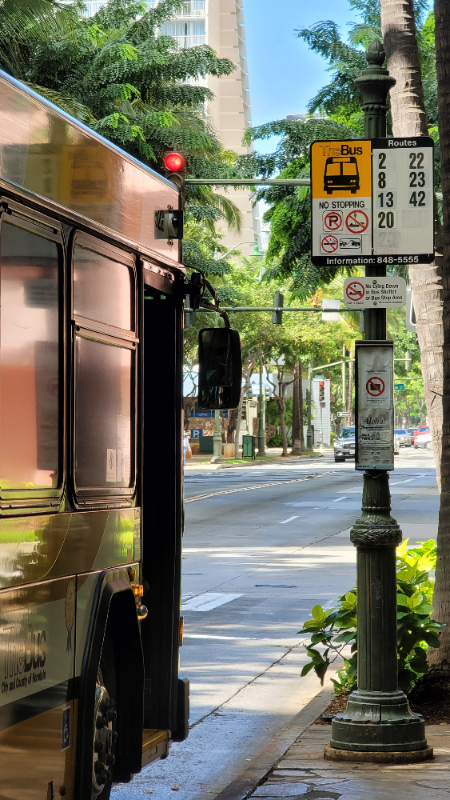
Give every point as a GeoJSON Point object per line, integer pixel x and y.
{"type": "Point", "coordinates": [263, 545]}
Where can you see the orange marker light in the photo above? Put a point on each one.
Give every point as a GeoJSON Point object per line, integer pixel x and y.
{"type": "Point", "coordinates": [138, 589]}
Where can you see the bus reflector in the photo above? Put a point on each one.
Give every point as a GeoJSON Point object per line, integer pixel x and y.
{"type": "Point", "coordinates": [181, 631]}
{"type": "Point", "coordinates": [138, 589]}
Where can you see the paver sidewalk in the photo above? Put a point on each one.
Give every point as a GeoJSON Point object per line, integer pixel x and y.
{"type": "Point", "coordinates": [303, 773]}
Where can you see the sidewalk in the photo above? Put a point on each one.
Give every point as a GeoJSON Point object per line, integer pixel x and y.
{"type": "Point", "coordinates": [274, 457]}
{"type": "Point", "coordinates": [292, 766]}
{"type": "Point", "coordinates": [303, 773]}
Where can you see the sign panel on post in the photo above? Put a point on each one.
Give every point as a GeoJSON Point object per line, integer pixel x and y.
{"type": "Point", "coordinates": [372, 201]}
{"type": "Point", "coordinates": [374, 373]}
{"type": "Point", "coordinates": [360, 293]}
{"type": "Point", "coordinates": [341, 196]}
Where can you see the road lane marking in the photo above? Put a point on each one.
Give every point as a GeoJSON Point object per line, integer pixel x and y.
{"type": "Point", "coordinates": [257, 486]}
{"type": "Point", "coordinates": [208, 601]}
{"type": "Point", "coordinates": [288, 520]}
{"type": "Point", "coordinates": [338, 499]}
{"type": "Point", "coordinates": [394, 483]}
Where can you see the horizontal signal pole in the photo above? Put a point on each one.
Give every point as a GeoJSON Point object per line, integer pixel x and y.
{"type": "Point", "coordinates": [274, 308]}
{"type": "Point", "coordinates": [247, 181]}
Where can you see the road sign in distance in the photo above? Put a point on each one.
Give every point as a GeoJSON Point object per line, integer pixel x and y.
{"type": "Point", "coordinates": [343, 414]}
{"type": "Point", "coordinates": [399, 387]}
{"type": "Point", "coordinates": [360, 293]}
{"type": "Point", "coordinates": [374, 405]}
{"type": "Point", "coordinates": [372, 201]}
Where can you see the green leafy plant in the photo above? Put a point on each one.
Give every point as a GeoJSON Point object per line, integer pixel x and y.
{"type": "Point", "coordinates": [336, 629]}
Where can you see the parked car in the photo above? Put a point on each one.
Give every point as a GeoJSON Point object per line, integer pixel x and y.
{"type": "Point", "coordinates": [404, 437]}
{"type": "Point", "coordinates": [344, 446]}
{"type": "Point", "coordinates": [396, 444]}
{"type": "Point", "coordinates": [422, 437]}
{"type": "Point", "coordinates": [412, 432]}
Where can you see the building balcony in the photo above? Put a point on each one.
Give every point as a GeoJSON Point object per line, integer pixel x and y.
{"type": "Point", "coordinates": [189, 41]}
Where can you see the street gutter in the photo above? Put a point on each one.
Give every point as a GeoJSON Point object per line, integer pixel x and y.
{"type": "Point", "coordinates": [246, 783]}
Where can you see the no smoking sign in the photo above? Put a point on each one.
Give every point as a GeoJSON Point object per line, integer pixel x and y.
{"type": "Point", "coordinates": [355, 291]}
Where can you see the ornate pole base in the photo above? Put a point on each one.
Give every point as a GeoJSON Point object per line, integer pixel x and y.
{"type": "Point", "coordinates": [377, 718]}
{"type": "Point", "coordinates": [376, 722]}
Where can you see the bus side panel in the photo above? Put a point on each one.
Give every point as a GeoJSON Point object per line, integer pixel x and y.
{"type": "Point", "coordinates": [37, 651]}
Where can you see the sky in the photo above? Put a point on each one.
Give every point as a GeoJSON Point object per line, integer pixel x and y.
{"type": "Point", "coordinates": [283, 73]}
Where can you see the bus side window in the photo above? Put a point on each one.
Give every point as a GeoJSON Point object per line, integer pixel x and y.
{"type": "Point", "coordinates": [29, 360]}
{"type": "Point", "coordinates": [104, 370]}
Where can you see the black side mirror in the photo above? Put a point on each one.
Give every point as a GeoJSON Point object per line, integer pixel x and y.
{"type": "Point", "coordinates": [220, 368]}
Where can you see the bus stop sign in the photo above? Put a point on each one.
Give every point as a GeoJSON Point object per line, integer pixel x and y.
{"type": "Point", "coordinates": [372, 202]}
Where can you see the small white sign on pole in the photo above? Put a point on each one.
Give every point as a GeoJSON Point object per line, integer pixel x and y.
{"type": "Point", "coordinates": [343, 414]}
{"type": "Point", "coordinates": [374, 405]}
{"type": "Point", "coordinates": [360, 293]}
{"type": "Point", "coordinates": [330, 310]}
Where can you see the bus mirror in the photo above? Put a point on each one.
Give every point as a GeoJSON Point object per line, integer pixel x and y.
{"type": "Point", "coordinates": [220, 368]}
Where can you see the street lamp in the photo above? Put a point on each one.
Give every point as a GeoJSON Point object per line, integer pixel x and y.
{"type": "Point", "coordinates": [255, 254]}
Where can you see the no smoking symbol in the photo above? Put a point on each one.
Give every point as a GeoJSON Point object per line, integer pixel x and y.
{"type": "Point", "coordinates": [375, 387]}
{"type": "Point", "coordinates": [357, 221]}
{"type": "Point", "coordinates": [355, 291]}
{"type": "Point", "coordinates": [329, 244]}
{"type": "Point", "coordinates": [332, 221]}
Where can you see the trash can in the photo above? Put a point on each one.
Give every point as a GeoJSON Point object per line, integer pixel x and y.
{"type": "Point", "coordinates": [206, 445]}
{"type": "Point", "coordinates": [248, 446]}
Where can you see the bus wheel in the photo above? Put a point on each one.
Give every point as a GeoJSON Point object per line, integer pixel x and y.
{"type": "Point", "coordinates": [105, 724]}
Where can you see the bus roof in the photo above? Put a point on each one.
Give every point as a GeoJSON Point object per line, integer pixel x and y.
{"type": "Point", "coordinates": [47, 155]}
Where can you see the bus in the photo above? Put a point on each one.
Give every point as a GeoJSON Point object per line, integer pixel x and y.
{"type": "Point", "coordinates": [341, 173]}
{"type": "Point", "coordinates": [91, 475]}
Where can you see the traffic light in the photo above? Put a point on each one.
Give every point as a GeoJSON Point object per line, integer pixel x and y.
{"type": "Point", "coordinates": [277, 315]}
{"type": "Point", "coordinates": [175, 167]}
{"type": "Point", "coordinates": [322, 392]}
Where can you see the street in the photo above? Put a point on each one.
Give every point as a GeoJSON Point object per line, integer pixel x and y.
{"type": "Point", "coordinates": [262, 546]}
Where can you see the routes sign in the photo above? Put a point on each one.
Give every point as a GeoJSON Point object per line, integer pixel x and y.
{"type": "Point", "coordinates": [372, 201]}
{"type": "Point", "coordinates": [374, 374]}
{"type": "Point", "coordinates": [360, 293]}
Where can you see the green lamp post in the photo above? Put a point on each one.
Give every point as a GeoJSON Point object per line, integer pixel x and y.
{"type": "Point", "coordinates": [377, 723]}
{"type": "Point", "coordinates": [217, 441]}
{"type": "Point", "coordinates": [262, 413]}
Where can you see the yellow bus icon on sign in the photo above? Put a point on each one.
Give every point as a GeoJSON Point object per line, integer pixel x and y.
{"type": "Point", "coordinates": [341, 173]}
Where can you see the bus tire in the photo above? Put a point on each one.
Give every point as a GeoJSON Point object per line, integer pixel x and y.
{"type": "Point", "coordinates": [104, 723]}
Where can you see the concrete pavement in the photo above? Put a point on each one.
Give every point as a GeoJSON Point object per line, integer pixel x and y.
{"type": "Point", "coordinates": [262, 546]}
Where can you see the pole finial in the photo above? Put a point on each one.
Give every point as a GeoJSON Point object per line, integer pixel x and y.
{"type": "Point", "coordinates": [375, 54]}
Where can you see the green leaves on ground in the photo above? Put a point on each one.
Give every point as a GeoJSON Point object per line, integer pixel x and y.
{"type": "Point", "coordinates": [336, 630]}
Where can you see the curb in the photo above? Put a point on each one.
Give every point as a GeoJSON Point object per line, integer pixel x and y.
{"type": "Point", "coordinates": [251, 463]}
{"type": "Point", "coordinates": [246, 783]}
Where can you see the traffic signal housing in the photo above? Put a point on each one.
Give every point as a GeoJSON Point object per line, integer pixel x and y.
{"type": "Point", "coordinates": [175, 167]}
{"type": "Point", "coordinates": [322, 393]}
{"type": "Point", "coordinates": [277, 315]}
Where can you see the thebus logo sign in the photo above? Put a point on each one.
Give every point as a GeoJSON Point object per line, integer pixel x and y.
{"type": "Point", "coordinates": [25, 657]}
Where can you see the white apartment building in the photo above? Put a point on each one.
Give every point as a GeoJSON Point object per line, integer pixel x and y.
{"type": "Point", "coordinates": [220, 24]}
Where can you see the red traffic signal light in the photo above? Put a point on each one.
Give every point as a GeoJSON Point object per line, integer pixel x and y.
{"type": "Point", "coordinates": [322, 384]}
{"type": "Point", "coordinates": [174, 162]}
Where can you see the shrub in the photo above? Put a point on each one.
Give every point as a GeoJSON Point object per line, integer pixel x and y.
{"type": "Point", "coordinates": [416, 631]}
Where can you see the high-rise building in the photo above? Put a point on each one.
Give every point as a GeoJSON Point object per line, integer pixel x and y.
{"type": "Point", "coordinates": [220, 24]}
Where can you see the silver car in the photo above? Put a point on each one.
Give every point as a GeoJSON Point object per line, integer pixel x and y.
{"type": "Point", "coordinates": [344, 446]}
{"type": "Point", "coordinates": [404, 437]}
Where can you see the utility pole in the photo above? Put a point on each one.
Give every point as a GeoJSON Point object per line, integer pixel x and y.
{"type": "Point", "coordinates": [377, 721]}
{"type": "Point", "coordinates": [262, 414]}
{"type": "Point", "coordinates": [309, 436]}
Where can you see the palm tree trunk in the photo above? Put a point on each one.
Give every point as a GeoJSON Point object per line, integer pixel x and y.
{"type": "Point", "coordinates": [441, 599]}
{"type": "Point", "coordinates": [409, 118]}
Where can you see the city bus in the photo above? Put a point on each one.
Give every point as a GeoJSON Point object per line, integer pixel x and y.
{"type": "Point", "coordinates": [91, 476]}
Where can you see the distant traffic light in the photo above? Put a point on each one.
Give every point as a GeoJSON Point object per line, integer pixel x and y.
{"type": "Point", "coordinates": [277, 316]}
{"type": "Point", "coordinates": [322, 392]}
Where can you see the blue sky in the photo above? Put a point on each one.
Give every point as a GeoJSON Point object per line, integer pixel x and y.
{"type": "Point", "coordinates": [284, 74]}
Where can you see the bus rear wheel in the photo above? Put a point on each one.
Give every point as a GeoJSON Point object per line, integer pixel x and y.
{"type": "Point", "coordinates": [104, 724]}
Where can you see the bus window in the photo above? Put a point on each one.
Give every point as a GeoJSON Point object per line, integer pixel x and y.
{"type": "Point", "coordinates": [29, 359]}
{"type": "Point", "coordinates": [104, 370]}
{"type": "Point", "coordinates": [103, 415]}
{"type": "Point", "coordinates": [102, 289]}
